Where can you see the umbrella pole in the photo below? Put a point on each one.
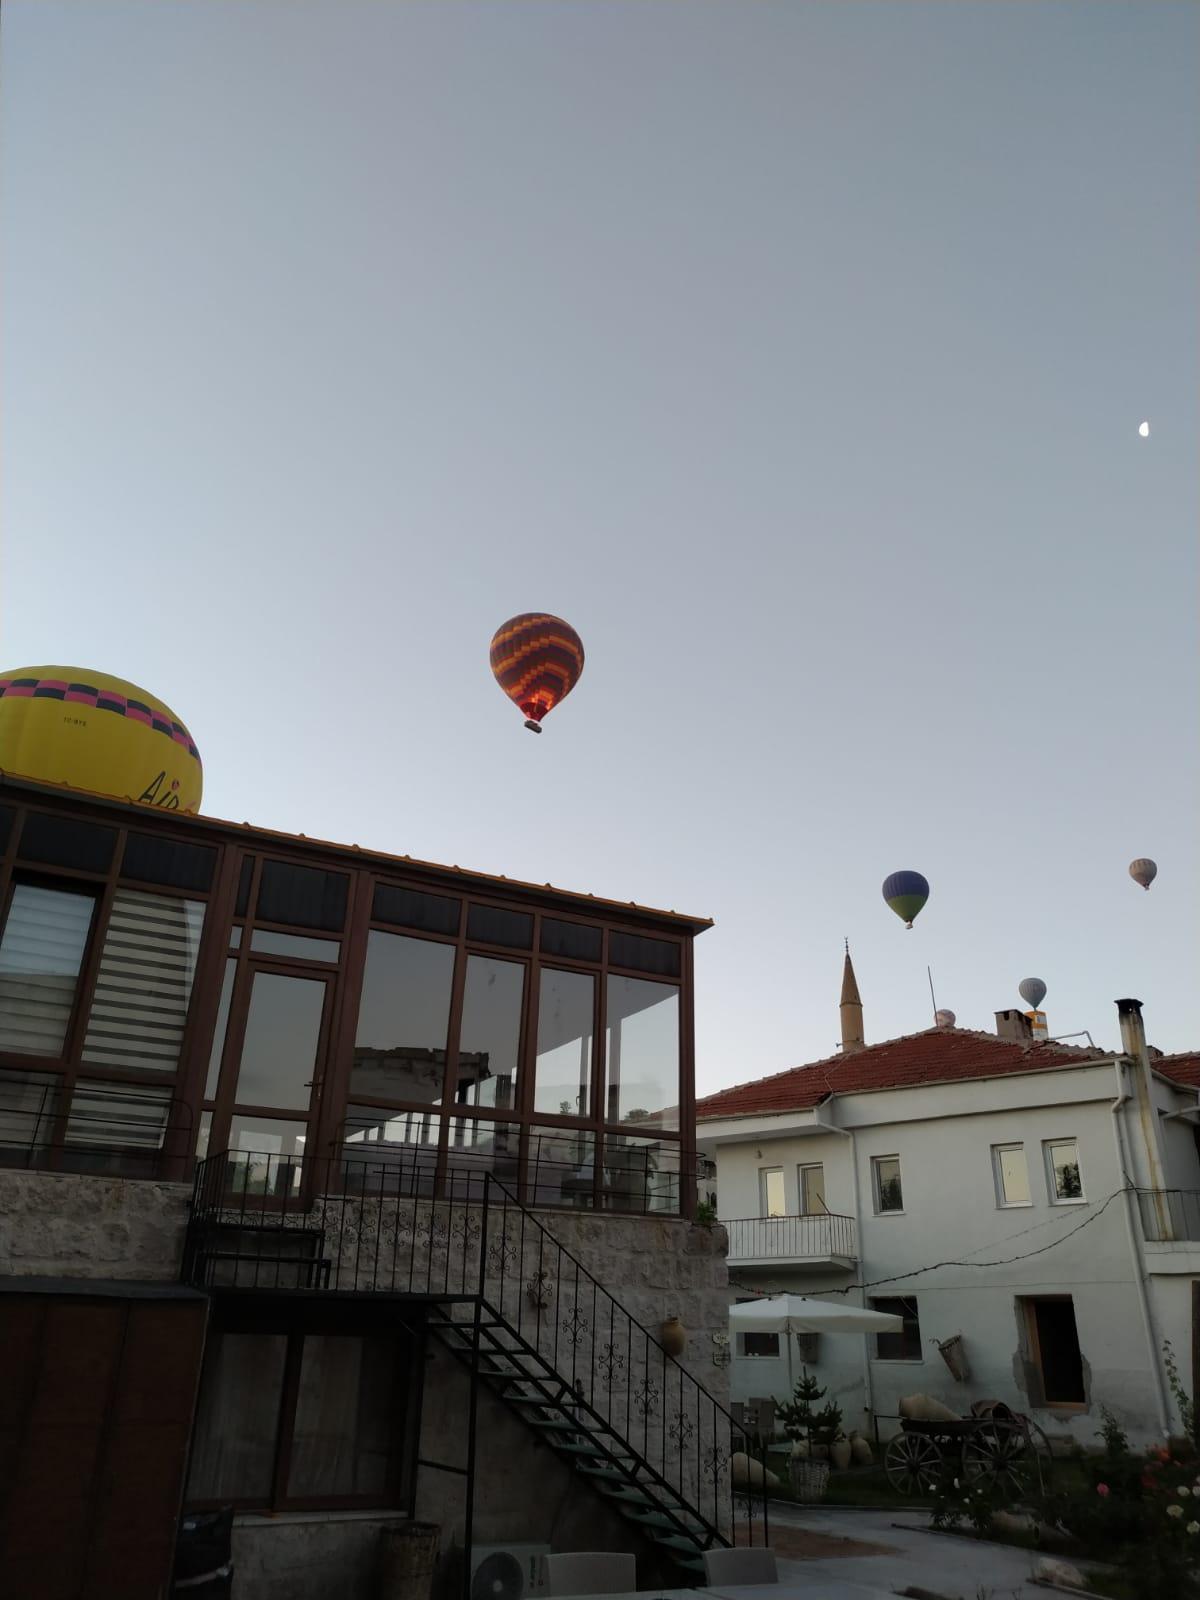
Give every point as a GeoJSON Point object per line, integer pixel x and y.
{"type": "Point", "coordinates": [791, 1382]}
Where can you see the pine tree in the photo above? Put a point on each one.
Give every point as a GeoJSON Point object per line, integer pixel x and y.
{"type": "Point", "coordinates": [802, 1420]}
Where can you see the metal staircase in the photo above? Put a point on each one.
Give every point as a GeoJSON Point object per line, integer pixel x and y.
{"type": "Point", "coordinates": [514, 1306]}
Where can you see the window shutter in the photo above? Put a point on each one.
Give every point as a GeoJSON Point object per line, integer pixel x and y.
{"type": "Point", "coordinates": [145, 982]}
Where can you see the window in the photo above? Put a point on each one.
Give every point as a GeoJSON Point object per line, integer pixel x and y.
{"type": "Point", "coordinates": [279, 1048]}
{"type": "Point", "coordinates": [811, 1183]}
{"type": "Point", "coordinates": [770, 1191]}
{"type": "Point", "coordinates": [299, 1419]}
{"type": "Point", "coordinates": [28, 1104]}
{"type": "Point", "coordinates": [296, 945]}
{"type": "Point", "coordinates": [1052, 1351]}
{"type": "Point", "coordinates": [560, 1167]}
{"type": "Point", "coordinates": [114, 1126]}
{"type": "Point", "coordinates": [885, 1181]}
{"type": "Point", "coordinates": [222, 1024]}
{"type": "Point", "coordinates": [490, 1041]}
{"type": "Point", "coordinates": [302, 897]}
{"type": "Point", "coordinates": [904, 1345]}
{"type": "Point", "coordinates": [758, 1344]}
{"type": "Point", "coordinates": [400, 1043]}
{"type": "Point", "coordinates": [1012, 1175]}
{"type": "Point", "coordinates": [643, 1052]}
{"type": "Point", "coordinates": [644, 955]}
{"type": "Point", "coordinates": [571, 939]}
{"type": "Point", "coordinates": [1062, 1171]}
{"type": "Point", "coordinates": [563, 1078]}
{"type": "Point", "coordinates": [41, 954]}
{"type": "Point", "coordinates": [144, 985]}
{"type": "Point", "coordinates": [641, 1174]}
{"type": "Point", "coordinates": [168, 861]}
{"type": "Point", "coordinates": [406, 908]}
{"type": "Point", "coordinates": [493, 925]}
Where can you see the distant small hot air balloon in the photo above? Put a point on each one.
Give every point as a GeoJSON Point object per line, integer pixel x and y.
{"type": "Point", "coordinates": [537, 660]}
{"type": "Point", "coordinates": [945, 1019]}
{"type": "Point", "coordinates": [906, 893]}
{"type": "Point", "coordinates": [1032, 991]}
{"type": "Point", "coordinates": [1143, 871]}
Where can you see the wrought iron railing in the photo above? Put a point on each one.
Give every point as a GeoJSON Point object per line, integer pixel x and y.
{"type": "Point", "coordinates": [817, 1237]}
{"type": "Point", "coordinates": [1170, 1214]}
{"type": "Point", "coordinates": [118, 1129]}
{"type": "Point", "coordinates": [349, 1224]}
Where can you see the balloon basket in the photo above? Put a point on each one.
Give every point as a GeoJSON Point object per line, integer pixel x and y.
{"type": "Point", "coordinates": [534, 727]}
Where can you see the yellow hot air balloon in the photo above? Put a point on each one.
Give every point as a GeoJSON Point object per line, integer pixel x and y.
{"type": "Point", "coordinates": [71, 725]}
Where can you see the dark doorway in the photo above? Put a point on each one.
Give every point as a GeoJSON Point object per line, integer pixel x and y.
{"type": "Point", "coordinates": [1054, 1350]}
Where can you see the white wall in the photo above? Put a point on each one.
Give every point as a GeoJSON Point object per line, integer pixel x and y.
{"type": "Point", "coordinates": [943, 1135]}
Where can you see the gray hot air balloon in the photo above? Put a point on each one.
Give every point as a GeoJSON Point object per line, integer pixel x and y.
{"type": "Point", "coordinates": [1032, 991]}
{"type": "Point", "coordinates": [1143, 871]}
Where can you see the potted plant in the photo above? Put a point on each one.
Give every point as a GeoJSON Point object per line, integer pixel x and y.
{"type": "Point", "coordinates": [810, 1429]}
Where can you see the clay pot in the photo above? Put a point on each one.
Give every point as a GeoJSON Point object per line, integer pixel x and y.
{"type": "Point", "coordinates": [861, 1453]}
{"type": "Point", "coordinates": [673, 1337]}
{"type": "Point", "coordinates": [800, 1450]}
{"type": "Point", "coordinates": [839, 1454]}
{"type": "Point", "coordinates": [747, 1471]}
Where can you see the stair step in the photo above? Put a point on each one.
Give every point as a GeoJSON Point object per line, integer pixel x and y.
{"type": "Point", "coordinates": [690, 1563]}
{"type": "Point", "coordinates": [657, 1519]}
{"type": "Point", "coordinates": [556, 1424]}
{"type": "Point", "coordinates": [675, 1541]}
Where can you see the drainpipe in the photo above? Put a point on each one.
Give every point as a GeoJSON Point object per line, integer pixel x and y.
{"type": "Point", "coordinates": [1135, 1250]}
{"type": "Point", "coordinates": [848, 1133]}
{"type": "Point", "coordinates": [1133, 1043]}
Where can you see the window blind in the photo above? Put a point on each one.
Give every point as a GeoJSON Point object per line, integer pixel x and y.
{"type": "Point", "coordinates": [40, 957]}
{"type": "Point", "coordinates": [145, 982]}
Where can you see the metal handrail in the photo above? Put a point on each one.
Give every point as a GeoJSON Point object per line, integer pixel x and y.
{"type": "Point", "coordinates": [377, 1227]}
{"type": "Point", "coordinates": [816, 1234]}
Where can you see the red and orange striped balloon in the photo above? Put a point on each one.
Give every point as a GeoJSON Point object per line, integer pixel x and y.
{"type": "Point", "coordinates": [537, 660]}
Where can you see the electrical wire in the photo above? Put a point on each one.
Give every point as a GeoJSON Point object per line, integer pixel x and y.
{"type": "Point", "coordinates": [1002, 1261]}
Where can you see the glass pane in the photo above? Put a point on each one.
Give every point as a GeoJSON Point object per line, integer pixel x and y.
{"type": "Point", "coordinates": [490, 1041]}
{"type": "Point", "coordinates": [641, 1174]}
{"type": "Point", "coordinates": [566, 1011]}
{"type": "Point", "coordinates": [40, 955]}
{"type": "Point", "coordinates": [645, 955]}
{"type": "Point", "coordinates": [482, 1146]}
{"type": "Point", "coordinates": [492, 925]}
{"type": "Point", "coordinates": [560, 1165]}
{"type": "Point", "coordinates": [1065, 1161]}
{"type": "Point", "coordinates": [203, 1134]}
{"type": "Point", "coordinates": [235, 938]}
{"type": "Point", "coordinates": [279, 1051]}
{"type": "Point", "coordinates": [405, 908]}
{"type": "Point", "coordinates": [772, 1193]}
{"type": "Point", "coordinates": [293, 944]}
{"type": "Point", "coordinates": [643, 1052]}
{"type": "Point", "coordinates": [1014, 1177]}
{"type": "Point", "coordinates": [400, 1043]}
{"type": "Point", "coordinates": [302, 897]}
{"type": "Point", "coordinates": [28, 1103]}
{"type": "Point", "coordinates": [265, 1155]}
{"type": "Point", "coordinates": [144, 985]}
{"type": "Point", "coordinates": [574, 939]}
{"type": "Point", "coordinates": [390, 1150]}
{"type": "Point", "coordinates": [218, 1044]}
{"type": "Point", "coordinates": [237, 1417]}
{"type": "Point", "coordinates": [344, 1418]}
{"type": "Point", "coordinates": [812, 1190]}
{"type": "Point", "coordinates": [889, 1195]}
{"type": "Point", "coordinates": [115, 1126]}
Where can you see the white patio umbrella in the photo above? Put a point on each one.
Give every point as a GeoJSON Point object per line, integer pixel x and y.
{"type": "Point", "coordinates": [797, 1313]}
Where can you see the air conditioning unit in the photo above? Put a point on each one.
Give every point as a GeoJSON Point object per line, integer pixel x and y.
{"type": "Point", "coordinates": [508, 1571]}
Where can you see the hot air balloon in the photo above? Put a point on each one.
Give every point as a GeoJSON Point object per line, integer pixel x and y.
{"type": "Point", "coordinates": [945, 1019]}
{"type": "Point", "coordinates": [1032, 991]}
{"type": "Point", "coordinates": [906, 893]}
{"type": "Point", "coordinates": [1143, 871]}
{"type": "Point", "coordinates": [74, 726]}
{"type": "Point", "coordinates": [537, 660]}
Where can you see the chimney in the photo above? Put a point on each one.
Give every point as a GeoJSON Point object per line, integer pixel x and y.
{"type": "Point", "coordinates": [1133, 1045]}
{"type": "Point", "coordinates": [851, 1009]}
{"type": "Point", "coordinates": [1014, 1025]}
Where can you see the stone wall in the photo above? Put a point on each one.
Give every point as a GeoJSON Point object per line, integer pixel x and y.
{"type": "Point", "coordinates": [58, 1224]}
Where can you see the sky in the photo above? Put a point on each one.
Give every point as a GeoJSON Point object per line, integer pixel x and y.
{"type": "Point", "coordinates": [794, 353]}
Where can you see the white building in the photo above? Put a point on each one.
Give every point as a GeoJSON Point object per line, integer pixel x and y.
{"type": "Point", "coordinates": [1036, 1202]}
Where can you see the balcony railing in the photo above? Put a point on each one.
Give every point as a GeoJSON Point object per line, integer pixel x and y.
{"type": "Point", "coordinates": [1170, 1214]}
{"type": "Point", "coordinates": [824, 1237]}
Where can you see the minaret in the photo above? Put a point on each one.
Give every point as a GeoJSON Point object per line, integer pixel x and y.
{"type": "Point", "coordinates": [851, 1008]}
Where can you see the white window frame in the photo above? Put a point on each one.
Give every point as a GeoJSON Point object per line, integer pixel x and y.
{"type": "Point", "coordinates": [801, 1168]}
{"type": "Point", "coordinates": [1052, 1194]}
{"type": "Point", "coordinates": [1003, 1203]}
{"type": "Point", "coordinates": [877, 1187]}
{"type": "Point", "coordinates": [763, 1173]}
{"type": "Point", "coordinates": [754, 1355]}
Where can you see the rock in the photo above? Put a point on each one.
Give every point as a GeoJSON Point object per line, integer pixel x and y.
{"type": "Point", "coordinates": [747, 1471]}
{"type": "Point", "coordinates": [1051, 1570]}
{"type": "Point", "coordinates": [1013, 1522]}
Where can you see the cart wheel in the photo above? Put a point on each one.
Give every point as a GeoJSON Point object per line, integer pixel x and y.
{"type": "Point", "coordinates": [913, 1463]}
{"type": "Point", "coordinates": [1002, 1455]}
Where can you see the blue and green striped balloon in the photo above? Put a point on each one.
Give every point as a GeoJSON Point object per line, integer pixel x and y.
{"type": "Point", "coordinates": [906, 893]}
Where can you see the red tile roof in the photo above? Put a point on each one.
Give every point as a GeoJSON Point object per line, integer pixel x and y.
{"type": "Point", "coordinates": [939, 1055]}
{"type": "Point", "coordinates": [1181, 1068]}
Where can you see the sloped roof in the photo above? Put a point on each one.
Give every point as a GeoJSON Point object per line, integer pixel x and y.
{"type": "Point", "coordinates": [938, 1055]}
{"type": "Point", "coordinates": [1181, 1068]}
